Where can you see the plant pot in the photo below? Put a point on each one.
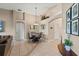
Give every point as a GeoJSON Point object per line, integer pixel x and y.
{"type": "Point", "coordinates": [67, 48]}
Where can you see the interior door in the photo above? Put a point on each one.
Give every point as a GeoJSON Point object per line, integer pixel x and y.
{"type": "Point", "coordinates": [20, 30]}
{"type": "Point", "coordinates": [51, 30]}
{"type": "Point", "coordinates": [55, 29]}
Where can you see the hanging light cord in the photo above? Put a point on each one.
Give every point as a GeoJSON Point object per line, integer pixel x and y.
{"type": "Point", "coordinates": [36, 14]}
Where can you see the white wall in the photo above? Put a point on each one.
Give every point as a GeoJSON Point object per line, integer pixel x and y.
{"type": "Point", "coordinates": [7, 17]}
{"type": "Point", "coordinates": [54, 13]}
{"type": "Point", "coordinates": [55, 32]}
{"type": "Point", "coordinates": [74, 39]}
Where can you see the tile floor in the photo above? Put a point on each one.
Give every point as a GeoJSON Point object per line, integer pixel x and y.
{"type": "Point", "coordinates": [45, 48]}
{"type": "Point", "coordinates": [22, 48]}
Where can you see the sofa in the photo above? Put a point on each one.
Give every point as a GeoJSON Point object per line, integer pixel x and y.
{"type": "Point", "coordinates": [5, 44]}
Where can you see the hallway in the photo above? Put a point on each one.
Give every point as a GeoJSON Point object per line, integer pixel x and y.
{"type": "Point", "coordinates": [51, 21]}
{"type": "Point", "coordinates": [45, 48]}
{"type": "Point", "coordinates": [21, 48]}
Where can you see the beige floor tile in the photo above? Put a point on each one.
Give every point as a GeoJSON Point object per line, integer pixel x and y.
{"type": "Point", "coordinates": [47, 48]}
{"type": "Point", "coordinates": [22, 48]}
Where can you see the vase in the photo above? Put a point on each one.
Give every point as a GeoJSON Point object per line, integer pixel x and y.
{"type": "Point", "coordinates": [67, 48]}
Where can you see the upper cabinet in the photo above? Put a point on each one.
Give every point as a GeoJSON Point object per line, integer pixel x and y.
{"type": "Point", "coordinates": [18, 15]}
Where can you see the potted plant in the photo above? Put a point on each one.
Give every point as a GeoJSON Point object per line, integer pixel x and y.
{"type": "Point", "coordinates": [68, 44]}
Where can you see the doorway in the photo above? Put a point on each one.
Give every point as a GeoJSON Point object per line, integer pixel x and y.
{"type": "Point", "coordinates": [55, 29]}
{"type": "Point", "coordinates": [20, 29]}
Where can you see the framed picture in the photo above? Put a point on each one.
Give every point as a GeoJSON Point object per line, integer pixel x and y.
{"type": "Point", "coordinates": [72, 23]}
{"type": "Point", "coordinates": [1, 26]}
{"type": "Point", "coordinates": [68, 27]}
{"type": "Point", "coordinates": [75, 27]}
{"type": "Point", "coordinates": [74, 10]}
{"type": "Point", "coordinates": [68, 15]}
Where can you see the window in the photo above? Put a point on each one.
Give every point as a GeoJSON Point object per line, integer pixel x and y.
{"type": "Point", "coordinates": [75, 27]}
{"type": "Point", "coordinates": [1, 26]}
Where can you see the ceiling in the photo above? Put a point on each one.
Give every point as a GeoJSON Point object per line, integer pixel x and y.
{"type": "Point", "coordinates": [28, 7]}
